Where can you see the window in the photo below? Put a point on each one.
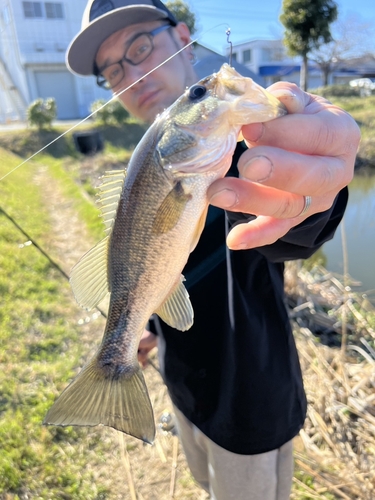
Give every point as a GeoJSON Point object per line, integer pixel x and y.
{"type": "Point", "coordinates": [32, 9]}
{"type": "Point", "coordinates": [5, 15]}
{"type": "Point", "coordinates": [50, 10]}
{"type": "Point", "coordinates": [246, 56]}
{"type": "Point", "coordinates": [266, 55]}
{"type": "Point", "coordinates": [54, 10]}
{"type": "Point", "coordinates": [234, 56]}
{"type": "Point", "coordinates": [278, 54]}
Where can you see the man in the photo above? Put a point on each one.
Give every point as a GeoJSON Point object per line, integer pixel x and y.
{"type": "Point", "coordinates": [234, 377]}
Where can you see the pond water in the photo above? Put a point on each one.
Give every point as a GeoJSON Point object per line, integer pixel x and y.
{"type": "Point", "coordinates": [359, 234]}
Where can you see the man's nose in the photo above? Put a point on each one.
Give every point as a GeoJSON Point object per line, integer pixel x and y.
{"type": "Point", "coordinates": [135, 75]}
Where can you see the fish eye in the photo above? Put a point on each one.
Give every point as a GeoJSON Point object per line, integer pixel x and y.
{"type": "Point", "coordinates": [197, 91]}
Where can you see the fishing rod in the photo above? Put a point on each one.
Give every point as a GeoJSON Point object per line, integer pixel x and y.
{"type": "Point", "coordinates": [41, 250]}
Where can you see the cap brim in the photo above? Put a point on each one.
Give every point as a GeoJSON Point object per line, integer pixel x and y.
{"type": "Point", "coordinates": [81, 53]}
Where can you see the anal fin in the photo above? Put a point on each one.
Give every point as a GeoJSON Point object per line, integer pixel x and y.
{"type": "Point", "coordinates": [177, 310]}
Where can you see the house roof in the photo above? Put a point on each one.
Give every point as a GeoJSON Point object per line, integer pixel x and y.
{"type": "Point", "coordinates": [213, 63]}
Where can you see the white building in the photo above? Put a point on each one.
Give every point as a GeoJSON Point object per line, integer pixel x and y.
{"type": "Point", "coordinates": [269, 60]}
{"type": "Point", "coordinates": [34, 37]}
{"type": "Point", "coordinates": [209, 61]}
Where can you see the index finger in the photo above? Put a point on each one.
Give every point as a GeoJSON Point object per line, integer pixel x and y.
{"type": "Point", "coordinates": [313, 126]}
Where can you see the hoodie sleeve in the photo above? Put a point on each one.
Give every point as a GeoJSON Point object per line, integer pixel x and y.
{"type": "Point", "coordinates": [303, 240]}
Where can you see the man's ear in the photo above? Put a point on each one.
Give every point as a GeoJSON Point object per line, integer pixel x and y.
{"type": "Point", "coordinates": [182, 33]}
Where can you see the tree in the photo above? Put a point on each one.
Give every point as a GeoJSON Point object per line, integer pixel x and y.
{"type": "Point", "coordinates": [352, 38]}
{"type": "Point", "coordinates": [307, 27]}
{"type": "Point", "coordinates": [182, 13]}
{"type": "Point", "coordinates": [41, 113]}
{"type": "Point", "coordinates": [112, 113]}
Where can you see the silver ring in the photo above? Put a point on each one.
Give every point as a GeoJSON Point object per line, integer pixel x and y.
{"type": "Point", "coordinates": [307, 200]}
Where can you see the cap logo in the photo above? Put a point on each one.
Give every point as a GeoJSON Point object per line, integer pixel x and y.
{"type": "Point", "coordinates": [100, 7]}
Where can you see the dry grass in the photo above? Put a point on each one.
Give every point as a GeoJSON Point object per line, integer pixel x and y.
{"type": "Point", "coordinates": [337, 445]}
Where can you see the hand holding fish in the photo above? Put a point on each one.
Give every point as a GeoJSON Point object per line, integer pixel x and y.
{"type": "Point", "coordinates": [146, 344]}
{"type": "Point", "coordinates": [308, 152]}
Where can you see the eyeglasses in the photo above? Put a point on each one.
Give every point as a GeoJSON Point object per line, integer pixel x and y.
{"type": "Point", "coordinates": [140, 47]}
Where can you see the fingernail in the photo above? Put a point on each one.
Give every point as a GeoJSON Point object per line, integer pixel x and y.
{"type": "Point", "coordinates": [239, 246]}
{"type": "Point", "coordinates": [258, 169]}
{"type": "Point", "coordinates": [282, 93]}
{"type": "Point", "coordinates": [291, 101]}
{"type": "Point", "coordinates": [225, 198]}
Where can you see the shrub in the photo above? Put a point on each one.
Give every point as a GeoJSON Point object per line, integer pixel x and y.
{"type": "Point", "coordinates": [343, 90]}
{"type": "Point", "coordinates": [41, 113]}
{"type": "Point", "coordinates": [112, 113]}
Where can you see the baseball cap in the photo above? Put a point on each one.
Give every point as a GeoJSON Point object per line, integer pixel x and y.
{"type": "Point", "coordinates": [101, 19]}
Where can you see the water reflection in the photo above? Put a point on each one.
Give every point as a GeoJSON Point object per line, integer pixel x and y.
{"type": "Point", "coordinates": [359, 224]}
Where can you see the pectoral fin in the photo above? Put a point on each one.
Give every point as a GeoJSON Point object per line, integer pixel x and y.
{"type": "Point", "coordinates": [177, 310]}
{"type": "Point", "coordinates": [170, 209]}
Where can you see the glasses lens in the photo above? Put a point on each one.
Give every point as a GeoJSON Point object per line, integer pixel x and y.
{"type": "Point", "coordinates": [102, 82]}
{"type": "Point", "coordinates": [140, 48]}
{"type": "Point", "coordinates": [112, 75]}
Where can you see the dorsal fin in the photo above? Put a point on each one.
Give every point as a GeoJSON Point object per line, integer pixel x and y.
{"type": "Point", "coordinates": [89, 277]}
{"type": "Point", "coordinates": [108, 195]}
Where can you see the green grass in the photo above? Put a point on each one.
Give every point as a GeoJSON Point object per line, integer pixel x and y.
{"type": "Point", "coordinates": [38, 346]}
{"type": "Point", "coordinates": [362, 110]}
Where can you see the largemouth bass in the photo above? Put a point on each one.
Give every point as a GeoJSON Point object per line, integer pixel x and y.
{"type": "Point", "coordinates": [154, 214]}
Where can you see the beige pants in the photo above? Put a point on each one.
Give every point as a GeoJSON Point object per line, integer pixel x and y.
{"type": "Point", "coordinates": [226, 475]}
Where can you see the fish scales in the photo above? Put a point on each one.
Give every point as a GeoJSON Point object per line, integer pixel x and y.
{"type": "Point", "coordinates": [152, 227]}
{"type": "Point", "coordinates": [139, 281]}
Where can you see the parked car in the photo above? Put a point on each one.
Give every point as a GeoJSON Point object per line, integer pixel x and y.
{"type": "Point", "coordinates": [365, 85]}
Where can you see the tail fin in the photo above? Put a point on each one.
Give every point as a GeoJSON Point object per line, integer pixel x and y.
{"type": "Point", "coordinates": [94, 398]}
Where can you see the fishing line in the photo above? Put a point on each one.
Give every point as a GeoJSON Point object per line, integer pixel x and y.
{"type": "Point", "coordinates": [115, 95]}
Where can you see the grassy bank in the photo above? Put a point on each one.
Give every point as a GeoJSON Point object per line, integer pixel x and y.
{"type": "Point", "coordinates": [40, 344]}
{"type": "Point", "coordinates": [46, 338]}
{"type": "Point", "coordinates": [363, 111]}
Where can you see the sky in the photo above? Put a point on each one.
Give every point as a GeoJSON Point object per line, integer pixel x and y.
{"type": "Point", "coordinates": [254, 19]}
